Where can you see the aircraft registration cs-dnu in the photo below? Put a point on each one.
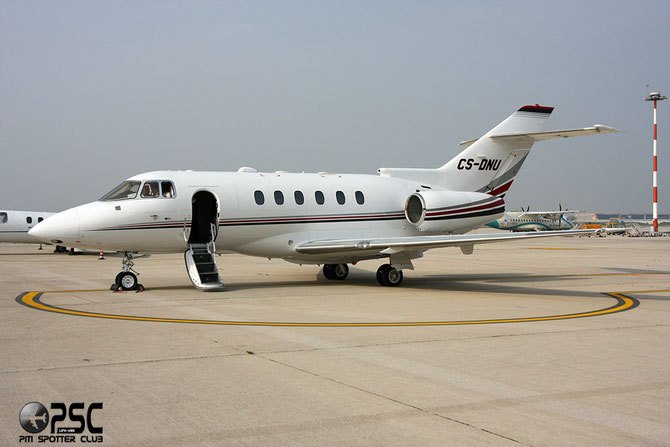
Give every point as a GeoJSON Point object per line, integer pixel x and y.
{"type": "Point", "coordinates": [304, 218]}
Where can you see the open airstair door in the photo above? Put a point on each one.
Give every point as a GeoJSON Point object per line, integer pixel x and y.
{"type": "Point", "coordinates": [199, 258]}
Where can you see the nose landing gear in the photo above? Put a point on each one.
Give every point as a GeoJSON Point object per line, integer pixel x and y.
{"type": "Point", "coordinates": [127, 279]}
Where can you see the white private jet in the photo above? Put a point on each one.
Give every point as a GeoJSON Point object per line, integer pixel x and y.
{"type": "Point", "coordinates": [322, 218]}
{"type": "Point", "coordinates": [526, 220]}
{"type": "Point", "coordinates": [14, 226]}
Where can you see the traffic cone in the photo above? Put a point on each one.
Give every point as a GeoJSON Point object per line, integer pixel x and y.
{"type": "Point", "coordinates": [102, 256]}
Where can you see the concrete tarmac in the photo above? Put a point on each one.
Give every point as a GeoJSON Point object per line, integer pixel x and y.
{"type": "Point", "coordinates": [552, 376]}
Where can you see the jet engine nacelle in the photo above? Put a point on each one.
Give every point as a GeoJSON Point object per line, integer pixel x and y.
{"type": "Point", "coordinates": [444, 211]}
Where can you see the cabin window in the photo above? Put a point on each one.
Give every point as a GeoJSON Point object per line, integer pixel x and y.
{"type": "Point", "coordinates": [150, 189]}
{"type": "Point", "coordinates": [360, 198]}
{"type": "Point", "coordinates": [168, 189]}
{"type": "Point", "coordinates": [279, 197]}
{"type": "Point", "coordinates": [299, 197]}
{"type": "Point", "coordinates": [29, 220]}
{"type": "Point", "coordinates": [3, 217]}
{"type": "Point", "coordinates": [319, 197]}
{"type": "Point", "coordinates": [260, 198]}
{"type": "Point", "coordinates": [339, 195]}
{"type": "Point", "coordinates": [126, 190]}
{"type": "Point", "coordinates": [40, 219]}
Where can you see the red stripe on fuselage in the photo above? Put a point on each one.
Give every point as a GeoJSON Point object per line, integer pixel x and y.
{"type": "Point", "coordinates": [312, 219]}
{"type": "Point", "coordinates": [493, 204]}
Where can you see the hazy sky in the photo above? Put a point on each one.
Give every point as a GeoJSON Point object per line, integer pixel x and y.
{"type": "Point", "coordinates": [93, 92]}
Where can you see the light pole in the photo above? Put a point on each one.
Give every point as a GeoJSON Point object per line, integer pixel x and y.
{"type": "Point", "coordinates": [655, 96]}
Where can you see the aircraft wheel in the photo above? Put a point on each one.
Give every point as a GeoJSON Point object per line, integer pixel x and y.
{"type": "Point", "coordinates": [328, 271]}
{"type": "Point", "coordinates": [380, 274]}
{"type": "Point", "coordinates": [389, 276]}
{"type": "Point", "coordinates": [126, 281]}
{"type": "Point", "coordinates": [340, 271]}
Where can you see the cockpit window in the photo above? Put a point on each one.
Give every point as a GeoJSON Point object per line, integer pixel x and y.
{"type": "Point", "coordinates": [150, 189]}
{"type": "Point", "coordinates": [168, 189]}
{"type": "Point", "coordinates": [126, 190]}
{"type": "Point", "coordinates": [3, 217]}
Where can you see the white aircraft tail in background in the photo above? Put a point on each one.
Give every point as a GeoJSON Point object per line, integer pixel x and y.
{"type": "Point", "coordinates": [330, 219]}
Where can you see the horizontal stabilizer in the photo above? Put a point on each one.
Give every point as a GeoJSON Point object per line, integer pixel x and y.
{"type": "Point", "coordinates": [539, 136]}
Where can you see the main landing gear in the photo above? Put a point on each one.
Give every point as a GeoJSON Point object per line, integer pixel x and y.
{"type": "Point", "coordinates": [337, 272]}
{"type": "Point", "coordinates": [387, 275]}
{"type": "Point", "coordinates": [127, 279]}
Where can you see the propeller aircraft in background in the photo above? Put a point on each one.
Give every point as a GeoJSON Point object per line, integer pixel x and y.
{"type": "Point", "coordinates": [526, 220]}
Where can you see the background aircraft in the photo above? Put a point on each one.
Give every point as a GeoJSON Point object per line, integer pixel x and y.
{"type": "Point", "coordinates": [322, 218]}
{"type": "Point", "coordinates": [526, 220]}
{"type": "Point", "coordinates": [14, 226]}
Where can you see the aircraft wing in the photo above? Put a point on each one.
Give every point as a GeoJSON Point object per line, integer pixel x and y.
{"type": "Point", "coordinates": [394, 245]}
{"type": "Point", "coordinates": [539, 136]}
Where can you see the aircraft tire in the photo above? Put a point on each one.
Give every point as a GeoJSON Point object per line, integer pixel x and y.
{"type": "Point", "coordinates": [126, 281]}
{"type": "Point", "coordinates": [380, 275]}
{"type": "Point", "coordinates": [340, 271]}
{"type": "Point", "coordinates": [394, 277]}
{"type": "Point", "coordinates": [389, 276]}
{"type": "Point", "coordinates": [328, 271]}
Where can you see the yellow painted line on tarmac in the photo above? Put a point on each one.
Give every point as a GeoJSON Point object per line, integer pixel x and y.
{"type": "Point", "coordinates": [33, 300]}
{"type": "Point", "coordinates": [553, 248]}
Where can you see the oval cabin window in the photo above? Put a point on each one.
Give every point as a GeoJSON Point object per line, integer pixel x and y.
{"type": "Point", "coordinates": [260, 198]}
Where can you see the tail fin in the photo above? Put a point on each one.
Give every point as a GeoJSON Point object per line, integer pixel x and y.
{"type": "Point", "coordinates": [490, 163]}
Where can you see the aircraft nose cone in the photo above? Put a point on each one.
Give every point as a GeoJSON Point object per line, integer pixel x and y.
{"type": "Point", "coordinates": [59, 228]}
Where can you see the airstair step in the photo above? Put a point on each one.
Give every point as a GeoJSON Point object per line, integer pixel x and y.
{"type": "Point", "coordinates": [209, 278]}
{"type": "Point", "coordinates": [204, 257]}
{"type": "Point", "coordinates": [206, 268]}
